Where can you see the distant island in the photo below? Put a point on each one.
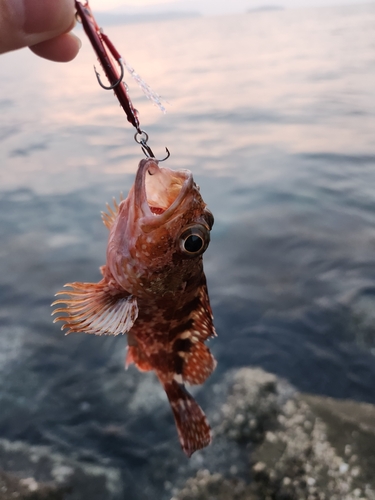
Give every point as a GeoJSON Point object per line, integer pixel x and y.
{"type": "Point", "coordinates": [266, 8]}
{"type": "Point", "coordinates": [110, 19]}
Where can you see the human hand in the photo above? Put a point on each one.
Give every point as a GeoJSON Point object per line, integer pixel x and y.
{"type": "Point", "coordinates": [41, 25]}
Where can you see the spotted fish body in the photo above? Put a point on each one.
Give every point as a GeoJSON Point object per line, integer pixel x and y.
{"type": "Point", "coordinates": [154, 289]}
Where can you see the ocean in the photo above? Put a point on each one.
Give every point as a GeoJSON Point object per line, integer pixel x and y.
{"type": "Point", "coordinates": [274, 113]}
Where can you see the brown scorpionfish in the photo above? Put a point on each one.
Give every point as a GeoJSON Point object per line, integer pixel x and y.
{"type": "Point", "coordinates": [154, 290]}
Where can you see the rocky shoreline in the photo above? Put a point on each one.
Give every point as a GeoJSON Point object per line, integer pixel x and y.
{"type": "Point", "coordinates": [38, 473]}
{"type": "Point", "coordinates": [300, 447]}
{"type": "Point", "coordinates": [270, 443]}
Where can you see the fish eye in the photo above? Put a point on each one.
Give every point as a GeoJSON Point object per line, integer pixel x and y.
{"type": "Point", "coordinates": [194, 240]}
{"type": "Point", "coordinates": [193, 243]}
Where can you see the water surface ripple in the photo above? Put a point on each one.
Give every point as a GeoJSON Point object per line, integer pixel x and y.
{"type": "Point", "coordinates": [275, 115]}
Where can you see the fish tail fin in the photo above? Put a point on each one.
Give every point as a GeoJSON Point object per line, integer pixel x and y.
{"type": "Point", "coordinates": [192, 426]}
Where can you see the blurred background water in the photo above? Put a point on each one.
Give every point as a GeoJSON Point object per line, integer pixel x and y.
{"type": "Point", "coordinates": [274, 113]}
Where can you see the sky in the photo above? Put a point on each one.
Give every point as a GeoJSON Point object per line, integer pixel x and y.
{"type": "Point", "coordinates": [209, 7]}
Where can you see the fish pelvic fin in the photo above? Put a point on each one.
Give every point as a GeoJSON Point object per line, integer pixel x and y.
{"type": "Point", "coordinates": [109, 217]}
{"type": "Point", "coordinates": [135, 355]}
{"type": "Point", "coordinates": [192, 426]}
{"type": "Point", "coordinates": [96, 308]}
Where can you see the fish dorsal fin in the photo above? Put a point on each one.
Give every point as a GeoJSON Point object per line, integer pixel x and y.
{"type": "Point", "coordinates": [96, 308]}
{"type": "Point", "coordinates": [194, 362]}
{"type": "Point", "coordinates": [109, 217]}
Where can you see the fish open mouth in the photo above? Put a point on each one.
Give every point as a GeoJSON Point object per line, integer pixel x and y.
{"type": "Point", "coordinates": [161, 189]}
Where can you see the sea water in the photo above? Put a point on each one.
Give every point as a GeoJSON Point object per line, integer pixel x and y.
{"type": "Point", "coordinates": [274, 113]}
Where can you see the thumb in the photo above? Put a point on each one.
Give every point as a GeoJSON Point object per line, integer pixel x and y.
{"type": "Point", "coordinates": [25, 23]}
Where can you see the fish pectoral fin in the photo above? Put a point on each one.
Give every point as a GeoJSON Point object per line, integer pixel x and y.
{"type": "Point", "coordinates": [199, 364]}
{"type": "Point", "coordinates": [96, 308]}
{"type": "Point", "coordinates": [192, 426]}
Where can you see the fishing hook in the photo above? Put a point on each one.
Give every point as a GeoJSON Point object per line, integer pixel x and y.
{"type": "Point", "coordinates": [145, 147]}
{"type": "Point", "coordinates": [110, 87]}
{"type": "Point", "coordinates": [100, 43]}
{"type": "Point", "coordinates": [107, 54]}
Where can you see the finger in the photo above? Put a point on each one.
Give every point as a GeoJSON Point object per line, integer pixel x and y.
{"type": "Point", "coordinates": [62, 48]}
{"type": "Point", "coordinates": [30, 22]}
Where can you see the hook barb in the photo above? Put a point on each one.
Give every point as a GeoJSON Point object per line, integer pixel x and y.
{"type": "Point", "coordinates": [141, 138]}
{"type": "Point", "coordinates": [147, 150]}
{"type": "Point", "coordinates": [168, 155]}
{"type": "Point", "coordinates": [110, 87]}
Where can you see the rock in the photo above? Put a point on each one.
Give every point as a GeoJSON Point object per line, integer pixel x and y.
{"type": "Point", "coordinates": [214, 486]}
{"type": "Point", "coordinates": [38, 473]}
{"type": "Point", "coordinates": [299, 447]}
{"type": "Point", "coordinates": [12, 488]}
{"type": "Point", "coordinates": [269, 443]}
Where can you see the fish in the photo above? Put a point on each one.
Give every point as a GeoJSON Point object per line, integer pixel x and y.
{"type": "Point", "coordinates": [154, 290]}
